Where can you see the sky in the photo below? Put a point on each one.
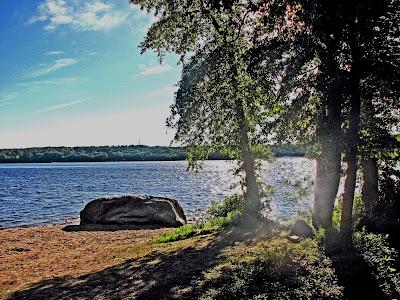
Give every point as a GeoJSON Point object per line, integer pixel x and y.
{"type": "Point", "coordinates": [71, 74]}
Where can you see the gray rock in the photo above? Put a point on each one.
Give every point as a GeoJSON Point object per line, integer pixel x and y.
{"type": "Point", "coordinates": [134, 210]}
{"type": "Point", "coordinates": [294, 238]}
{"type": "Point", "coordinates": [302, 229]}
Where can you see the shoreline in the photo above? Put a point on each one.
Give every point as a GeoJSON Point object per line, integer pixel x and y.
{"type": "Point", "coordinates": [76, 223]}
{"type": "Point", "coordinates": [45, 224]}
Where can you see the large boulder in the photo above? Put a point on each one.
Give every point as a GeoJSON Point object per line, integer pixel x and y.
{"type": "Point", "coordinates": [302, 229]}
{"type": "Point", "coordinates": [134, 210]}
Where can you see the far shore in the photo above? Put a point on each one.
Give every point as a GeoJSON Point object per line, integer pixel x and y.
{"type": "Point", "coordinates": [81, 154]}
{"type": "Point", "coordinates": [143, 160]}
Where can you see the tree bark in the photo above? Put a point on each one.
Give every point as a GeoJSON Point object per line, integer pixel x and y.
{"type": "Point", "coordinates": [328, 163]}
{"type": "Point", "coordinates": [346, 222]}
{"type": "Point", "coordinates": [370, 184]}
{"type": "Point", "coordinates": [326, 187]}
{"type": "Point", "coordinates": [252, 194]}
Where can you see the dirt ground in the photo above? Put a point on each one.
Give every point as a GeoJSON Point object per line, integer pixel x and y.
{"type": "Point", "coordinates": [49, 263]}
{"type": "Point", "coordinates": [30, 255]}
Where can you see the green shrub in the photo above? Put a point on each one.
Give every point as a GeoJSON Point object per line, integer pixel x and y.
{"type": "Point", "coordinates": [231, 218]}
{"type": "Point", "coordinates": [190, 230]}
{"type": "Point", "coordinates": [229, 204]}
{"type": "Point", "coordinates": [221, 214]}
{"type": "Point", "coordinates": [337, 214]}
{"type": "Point", "coordinates": [358, 211]}
{"type": "Point", "coordinates": [320, 235]}
{"type": "Point", "coordinates": [381, 259]}
{"type": "Point", "coordinates": [359, 206]}
{"type": "Point", "coordinates": [282, 270]}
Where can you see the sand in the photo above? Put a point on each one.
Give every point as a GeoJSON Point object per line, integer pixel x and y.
{"type": "Point", "coordinates": [30, 255]}
{"type": "Point", "coordinates": [49, 263]}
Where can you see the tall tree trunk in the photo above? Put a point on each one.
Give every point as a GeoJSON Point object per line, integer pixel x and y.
{"type": "Point", "coordinates": [370, 184]}
{"type": "Point", "coordinates": [326, 187]}
{"type": "Point", "coordinates": [328, 163]}
{"type": "Point", "coordinates": [252, 194]}
{"type": "Point", "coordinates": [346, 222]}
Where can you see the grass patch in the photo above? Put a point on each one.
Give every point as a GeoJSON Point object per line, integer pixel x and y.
{"type": "Point", "coordinates": [218, 222]}
{"type": "Point", "coordinates": [190, 230]}
{"type": "Point", "coordinates": [221, 215]}
{"type": "Point", "coordinates": [280, 270]}
{"type": "Point", "coordinates": [181, 233]}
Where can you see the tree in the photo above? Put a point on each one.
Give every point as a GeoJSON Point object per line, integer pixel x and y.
{"type": "Point", "coordinates": [303, 43]}
{"type": "Point", "coordinates": [321, 68]}
{"type": "Point", "coordinates": [217, 105]}
{"type": "Point", "coordinates": [288, 70]}
{"type": "Point", "coordinates": [380, 118]}
{"type": "Point", "coordinates": [362, 19]}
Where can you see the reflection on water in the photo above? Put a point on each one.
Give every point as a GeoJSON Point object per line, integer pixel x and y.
{"type": "Point", "coordinates": [33, 194]}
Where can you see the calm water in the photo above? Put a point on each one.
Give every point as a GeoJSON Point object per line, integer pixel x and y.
{"type": "Point", "coordinates": [33, 194]}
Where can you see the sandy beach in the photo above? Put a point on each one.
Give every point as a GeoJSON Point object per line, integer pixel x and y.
{"type": "Point", "coordinates": [30, 255]}
{"type": "Point", "coordinates": [50, 263]}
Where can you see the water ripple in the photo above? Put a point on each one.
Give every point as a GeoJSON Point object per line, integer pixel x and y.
{"type": "Point", "coordinates": [32, 194]}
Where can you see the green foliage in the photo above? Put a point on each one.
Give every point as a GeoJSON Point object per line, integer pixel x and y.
{"type": "Point", "coordinates": [320, 235]}
{"type": "Point", "coordinates": [387, 210]}
{"type": "Point", "coordinates": [261, 151]}
{"type": "Point", "coordinates": [336, 215]}
{"type": "Point", "coordinates": [91, 154]}
{"type": "Point", "coordinates": [121, 153]}
{"type": "Point", "coordinates": [282, 270]}
{"type": "Point", "coordinates": [223, 221]}
{"type": "Point", "coordinates": [382, 261]}
{"type": "Point", "coordinates": [190, 230]}
{"type": "Point", "coordinates": [180, 233]}
{"type": "Point", "coordinates": [230, 204]}
{"type": "Point", "coordinates": [260, 71]}
{"type": "Point", "coordinates": [358, 206]}
{"type": "Point", "coordinates": [218, 104]}
{"type": "Point", "coordinates": [358, 211]}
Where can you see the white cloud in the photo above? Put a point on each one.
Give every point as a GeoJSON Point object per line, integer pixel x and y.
{"type": "Point", "coordinates": [7, 99]}
{"type": "Point", "coordinates": [60, 106]}
{"type": "Point", "coordinates": [57, 81]}
{"type": "Point", "coordinates": [79, 14]}
{"type": "Point", "coordinates": [54, 53]}
{"type": "Point", "coordinates": [98, 6]}
{"type": "Point", "coordinates": [56, 65]}
{"type": "Point", "coordinates": [153, 69]}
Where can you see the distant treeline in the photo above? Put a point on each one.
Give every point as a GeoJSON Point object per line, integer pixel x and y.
{"type": "Point", "coordinates": [111, 153]}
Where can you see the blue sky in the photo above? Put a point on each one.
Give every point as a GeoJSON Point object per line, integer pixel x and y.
{"type": "Point", "coordinates": [72, 74]}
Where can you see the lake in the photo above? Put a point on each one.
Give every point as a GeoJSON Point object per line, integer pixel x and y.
{"type": "Point", "coordinates": [37, 194]}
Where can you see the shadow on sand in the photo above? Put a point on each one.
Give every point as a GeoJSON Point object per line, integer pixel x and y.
{"type": "Point", "coordinates": [179, 274]}
{"type": "Point", "coordinates": [160, 275]}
